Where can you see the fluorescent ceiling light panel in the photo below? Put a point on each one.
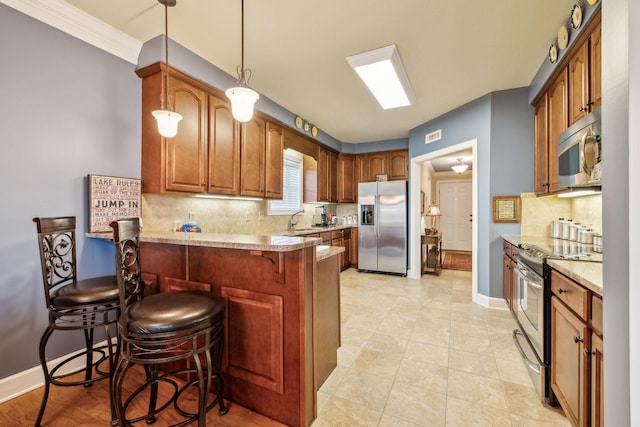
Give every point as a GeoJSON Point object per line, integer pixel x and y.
{"type": "Point", "coordinates": [382, 71]}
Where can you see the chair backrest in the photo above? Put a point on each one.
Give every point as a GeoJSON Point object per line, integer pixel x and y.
{"type": "Point", "coordinates": [57, 244]}
{"type": "Point", "coordinates": [126, 238]}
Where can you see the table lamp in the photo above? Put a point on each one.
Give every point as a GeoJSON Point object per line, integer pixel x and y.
{"type": "Point", "coordinates": [433, 212]}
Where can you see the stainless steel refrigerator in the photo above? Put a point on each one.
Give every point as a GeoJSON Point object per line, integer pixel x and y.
{"type": "Point", "coordinates": [382, 227]}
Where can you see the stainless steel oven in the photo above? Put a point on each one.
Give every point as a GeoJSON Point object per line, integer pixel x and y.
{"type": "Point", "coordinates": [530, 313]}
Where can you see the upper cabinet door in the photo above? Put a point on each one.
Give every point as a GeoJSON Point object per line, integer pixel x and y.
{"type": "Point", "coordinates": [579, 84]}
{"type": "Point", "coordinates": [377, 164]}
{"type": "Point", "coordinates": [541, 142]}
{"type": "Point", "coordinates": [186, 152]}
{"type": "Point", "coordinates": [346, 178]}
{"type": "Point", "coordinates": [558, 123]}
{"type": "Point", "coordinates": [274, 161]}
{"type": "Point", "coordinates": [398, 168]}
{"type": "Point", "coordinates": [595, 69]}
{"type": "Point", "coordinates": [224, 148]}
{"type": "Point", "coordinates": [252, 158]}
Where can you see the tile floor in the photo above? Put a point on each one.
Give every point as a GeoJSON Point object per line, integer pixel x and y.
{"type": "Point", "coordinates": [420, 353]}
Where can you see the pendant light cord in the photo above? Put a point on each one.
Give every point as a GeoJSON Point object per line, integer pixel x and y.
{"type": "Point", "coordinates": [166, 54]}
{"type": "Point", "coordinates": [242, 38]}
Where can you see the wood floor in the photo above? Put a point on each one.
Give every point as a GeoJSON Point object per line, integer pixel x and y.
{"type": "Point", "coordinates": [79, 406]}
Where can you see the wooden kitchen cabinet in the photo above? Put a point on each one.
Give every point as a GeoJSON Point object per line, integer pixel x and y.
{"type": "Point", "coordinates": [327, 169]}
{"type": "Point", "coordinates": [211, 152]}
{"type": "Point", "coordinates": [393, 163]}
{"type": "Point", "coordinates": [342, 238]}
{"type": "Point", "coordinates": [274, 147]}
{"type": "Point", "coordinates": [354, 246]}
{"type": "Point", "coordinates": [224, 148]}
{"type": "Point", "coordinates": [585, 70]}
{"type": "Point", "coordinates": [510, 276]}
{"type": "Point", "coordinates": [346, 174]}
{"type": "Point", "coordinates": [576, 350]}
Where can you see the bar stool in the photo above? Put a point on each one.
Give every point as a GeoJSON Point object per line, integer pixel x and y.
{"type": "Point", "coordinates": [74, 305]}
{"type": "Point", "coordinates": [161, 328]}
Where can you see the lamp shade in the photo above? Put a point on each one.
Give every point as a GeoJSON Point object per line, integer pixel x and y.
{"type": "Point", "coordinates": [167, 122]}
{"type": "Point", "coordinates": [433, 210]}
{"type": "Point", "coordinates": [242, 102]}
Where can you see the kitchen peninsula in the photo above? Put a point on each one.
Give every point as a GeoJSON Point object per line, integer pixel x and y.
{"type": "Point", "coordinates": [269, 285]}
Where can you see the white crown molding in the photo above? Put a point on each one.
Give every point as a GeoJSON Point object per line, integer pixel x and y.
{"type": "Point", "coordinates": [81, 25]}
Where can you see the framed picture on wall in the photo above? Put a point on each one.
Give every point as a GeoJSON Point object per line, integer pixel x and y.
{"type": "Point", "coordinates": [506, 209]}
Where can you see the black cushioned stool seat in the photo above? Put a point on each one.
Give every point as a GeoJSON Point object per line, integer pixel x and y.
{"type": "Point", "coordinates": [161, 328]}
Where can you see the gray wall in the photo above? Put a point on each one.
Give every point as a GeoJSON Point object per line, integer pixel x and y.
{"type": "Point", "coordinates": [68, 110]}
{"type": "Point", "coordinates": [502, 122]}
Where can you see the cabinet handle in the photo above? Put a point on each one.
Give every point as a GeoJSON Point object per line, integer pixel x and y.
{"type": "Point", "coordinates": [577, 340]}
{"type": "Point", "coordinates": [583, 109]}
{"type": "Point", "coordinates": [561, 291]}
{"type": "Point", "coordinates": [587, 352]}
{"type": "Point", "coordinates": [590, 103]}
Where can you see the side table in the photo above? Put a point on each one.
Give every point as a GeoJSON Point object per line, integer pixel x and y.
{"type": "Point", "coordinates": [431, 253]}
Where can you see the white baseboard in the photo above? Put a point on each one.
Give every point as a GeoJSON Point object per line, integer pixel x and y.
{"type": "Point", "coordinates": [491, 302]}
{"type": "Point", "coordinates": [26, 381]}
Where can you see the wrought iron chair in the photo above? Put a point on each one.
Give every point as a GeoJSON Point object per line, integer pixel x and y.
{"type": "Point", "coordinates": [74, 305]}
{"type": "Point", "coordinates": [163, 328]}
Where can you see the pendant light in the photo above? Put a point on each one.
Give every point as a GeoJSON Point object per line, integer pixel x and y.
{"type": "Point", "coordinates": [242, 96]}
{"type": "Point", "coordinates": [167, 119]}
{"type": "Point", "coordinates": [459, 167]}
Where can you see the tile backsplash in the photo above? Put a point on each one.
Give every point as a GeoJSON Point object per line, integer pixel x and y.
{"type": "Point", "coordinates": [231, 216]}
{"type": "Point", "coordinates": [537, 213]}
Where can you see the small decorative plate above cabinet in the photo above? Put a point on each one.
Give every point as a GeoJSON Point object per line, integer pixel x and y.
{"type": "Point", "coordinates": [563, 38]}
{"type": "Point", "coordinates": [553, 53]}
{"type": "Point", "coordinates": [299, 122]}
{"type": "Point", "coordinates": [592, 2]}
{"type": "Point", "coordinates": [314, 131]}
{"type": "Point", "coordinates": [576, 16]}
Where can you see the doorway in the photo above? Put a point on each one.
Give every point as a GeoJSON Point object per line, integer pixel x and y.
{"type": "Point", "coordinates": [455, 200]}
{"type": "Point", "coordinates": [415, 206]}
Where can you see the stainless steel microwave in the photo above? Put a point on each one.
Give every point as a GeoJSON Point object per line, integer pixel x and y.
{"type": "Point", "coordinates": [579, 153]}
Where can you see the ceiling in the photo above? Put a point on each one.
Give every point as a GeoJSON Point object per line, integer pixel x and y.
{"type": "Point", "coordinates": [453, 51]}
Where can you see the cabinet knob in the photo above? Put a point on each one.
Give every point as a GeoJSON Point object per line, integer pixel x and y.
{"type": "Point", "coordinates": [577, 340]}
{"type": "Point", "coordinates": [561, 291]}
{"type": "Point", "coordinates": [583, 109]}
{"type": "Point", "coordinates": [587, 352]}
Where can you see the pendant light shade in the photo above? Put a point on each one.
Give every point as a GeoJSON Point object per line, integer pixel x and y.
{"type": "Point", "coordinates": [459, 167]}
{"type": "Point", "coordinates": [167, 122]}
{"type": "Point", "coordinates": [242, 102]}
{"type": "Point", "coordinates": [242, 97]}
{"type": "Point", "coordinates": [167, 119]}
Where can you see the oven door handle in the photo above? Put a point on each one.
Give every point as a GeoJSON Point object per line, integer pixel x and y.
{"type": "Point", "coordinates": [532, 278]}
{"type": "Point", "coordinates": [535, 367]}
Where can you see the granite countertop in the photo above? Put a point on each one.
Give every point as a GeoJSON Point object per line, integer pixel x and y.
{"type": "Point", "coordinates": [231, 241]}
{"type": "Point", "coordinates": [312, 230]}
{"type": "Point", "coordinates": [324, 251]}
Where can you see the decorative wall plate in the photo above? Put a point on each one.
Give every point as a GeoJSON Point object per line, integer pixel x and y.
{"type": "Point", "coordinates": [592, 2]}
{"type": "Point", "coordinates": [306, 126]}
{"type": "Point", "coordinates": [299, 122]}
{"type": "Point", "coordinates": [314, 131]}
{"type": "Point", "coordinates": [563, 38]}
{"type": "Point", "coordinates": [553, 53]}
{"type": "Point", "coordinates": [576, 16]}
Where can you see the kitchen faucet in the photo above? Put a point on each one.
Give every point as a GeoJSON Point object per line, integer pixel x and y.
{"type": "Point", "coordinates": [293, 222]}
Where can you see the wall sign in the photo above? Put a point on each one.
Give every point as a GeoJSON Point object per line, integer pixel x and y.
{"type": "Point", "coordinates": [506, 209]}
{"type": "Point", "coordinates": [111, 198]}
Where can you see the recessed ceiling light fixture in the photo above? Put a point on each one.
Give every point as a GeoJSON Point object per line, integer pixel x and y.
{"type": "Point", "coordinates": [382, 71]}
{"type": "Point", "coordinates": [459, 167]}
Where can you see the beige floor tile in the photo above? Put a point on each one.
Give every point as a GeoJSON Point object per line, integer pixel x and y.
{"type": "Point", "coordinates": [476, 389]}
{"type": "Point", "coordinates": [461, 413]}
{"type": "Point", "coordinates": [416, 405]}
{"type": "Point", "coordinates": [344, 413]}
{"type": "Point", "coordinates": [420, 353]}
{"type": "Point", "coordinates": [475, 363]}
{"type": "Point", "coordinates": [424, 375]}
{"type": "Point", "coordinates": [425, 352]}
{"type": "Point", "coordinates": [364, 389]}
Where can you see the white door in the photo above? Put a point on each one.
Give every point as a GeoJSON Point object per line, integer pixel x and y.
{"type": "Point", "coordinates": [455, 201]}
